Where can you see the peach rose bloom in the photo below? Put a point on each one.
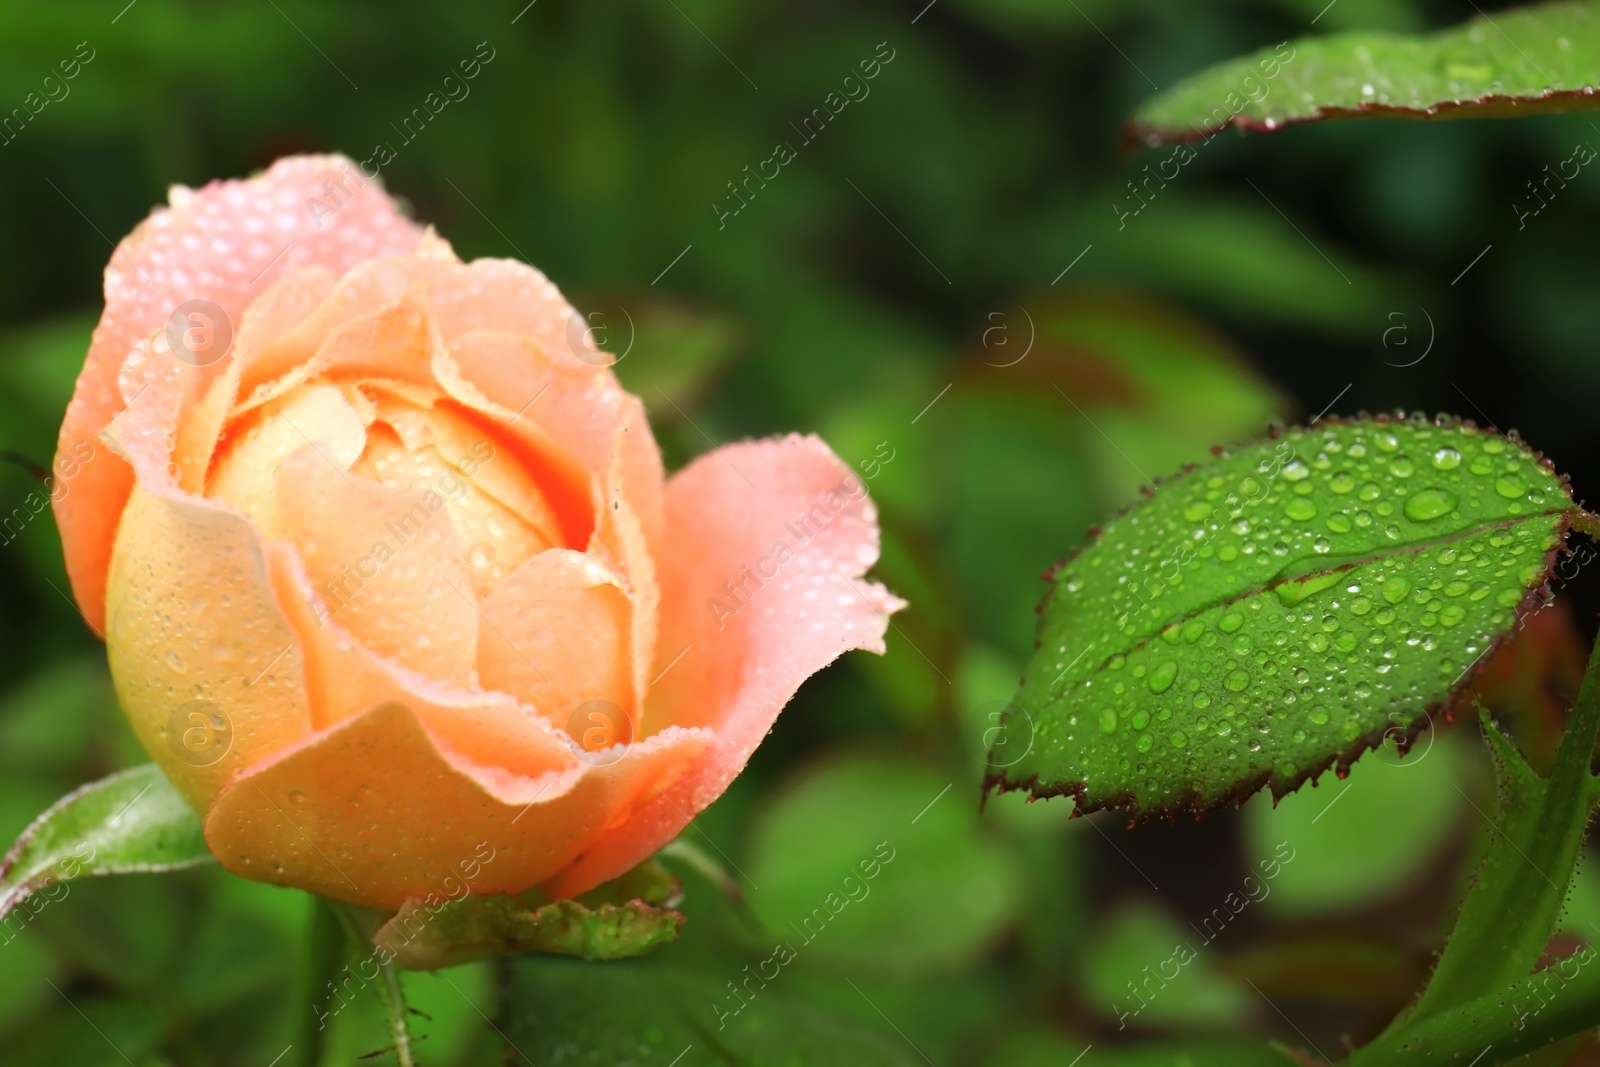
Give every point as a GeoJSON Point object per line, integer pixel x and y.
{"type": "Point", "coordinates": [362, 571]}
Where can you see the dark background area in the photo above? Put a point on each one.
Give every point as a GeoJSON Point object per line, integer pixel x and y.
{"type": "Point", "coordinates": [879, 291]}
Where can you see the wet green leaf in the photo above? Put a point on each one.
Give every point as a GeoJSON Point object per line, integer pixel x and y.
{"type": "Point", "coordinates": [1280, 609]}
{"type": "Point", "coordinates": [625, 917]}
{"type": "Point", "coordinates": [131, 822]}
{"type": "Point", "coordinates": [566, 1012]}
{"type": "Point", "coordinates": [1536, 59]}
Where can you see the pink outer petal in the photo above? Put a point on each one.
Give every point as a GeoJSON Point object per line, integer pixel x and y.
{"type": "Point", "coordinates": [729, 509]}
{"type": "Point", "coordinates": [215, 244]}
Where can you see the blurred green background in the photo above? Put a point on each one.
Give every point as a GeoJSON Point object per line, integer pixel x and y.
{"type": "Point", "coordinates": [939, 284]}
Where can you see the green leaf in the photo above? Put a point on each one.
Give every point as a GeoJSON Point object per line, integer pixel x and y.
{"type": "Point", "coordinates": [1280, 609]}
{"type": "Point", "coordinates": [1512, 909]}
{"type": "Point", "coordinates": [630, 1013]}
{"type": "Point", "coordinates": [1045, 1047]}
{"type": "Point", "coordinates": [1142, 967]}
{"type": "Point", "coordinates": [1352, 851]}
{"type": "Point", "coordinates": [625, 917]}
{"type": "Point", "coordinates": [905, 880]}
{"type": "Point", "coordinates": [131, 822]}
{"type": "Point", "coordinates": [1532, 60]}
{"type": "Point", "coordinates": [1502, 1026]}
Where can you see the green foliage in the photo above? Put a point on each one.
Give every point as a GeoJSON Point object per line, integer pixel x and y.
{"type": "Point", "coordinates": [1145, 968]}
{"type": "Point", "coordinates": [594, 146]}
{"type": "Point", "coordinates": [1540, 58]}
{"type": "Point", "coordinates": [131, 822]}
{"type": "Point", "coordinates": [625, 917]}
{"type": "Point", "coordinates": [1280, 609]}
{"type": "Point", "coordinates": [845, 857]}
{"type": "Point", "coordinates": [625, 1014]}
{"type": "Point", "coordinates": [1351, 850]}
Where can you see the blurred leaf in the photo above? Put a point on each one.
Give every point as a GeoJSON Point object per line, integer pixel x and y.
{"type": "Point", "coordinates": [130, 932]}
{"type": "Point", "coordinates": [628, 1015]}
{"type": "Point", "coordinates": [998, 562]}
{"type": "Point", "coordinates": [1530, 60]}
{"type": "Point", "coordinates": [1148, 388]}
{"type": "Point", "coordinates": [666, 351]}
{"type": "Point", "coordinates": [1350, 848]}
{"type": "Point", "coordinates": [1030, 1048]}
{"type": "Point", "coordinates": [1258, 569]}
{"type": "Point", "coordinates": [239, 930]}
{"type": "Point", "coordinates": [1238, 255]}
{"type": "Point", "coordinates": [610, 922]}
{"type": "Point", "coordinates": [26, 969]}
{"type": "Point", "coordinates": [1346, 965]}
{"type": "Point", "coordinates": [133, 821]}
{"type": "Point", "coordinates": [45, 722]}
{"type": "Point", "coordinates": [867, 862]}
{"type": "Point", "coordinates": [92, 1030]}
{"type": "Point", "coordinates": [1142, 968]}
{"type": "Point", "coordinates": [38, 367]}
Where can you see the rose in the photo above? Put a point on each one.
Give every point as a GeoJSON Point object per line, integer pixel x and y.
{"type": "Point", "coordinates": [364, 561]}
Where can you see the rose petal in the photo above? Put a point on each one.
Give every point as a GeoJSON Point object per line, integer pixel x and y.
{"type": "Point", "coordinates": [193, 617]}
{"type": "Point", "coordinates": [386, 562]}
{"type": "Point", "coordinates": [556, 633]}
{"type": "Point", "coordinates": [246, 475]}
{"type": "Point", "coordinates": [217, 244]}
{"type": "Point", "coordinates": [344, 677]}
{"type": "Point", "coordinates": [376, 810]}
{"type": "Point", "coordinates": [580, 407]}
{"type": "Point", "coordinates": [727, 510]}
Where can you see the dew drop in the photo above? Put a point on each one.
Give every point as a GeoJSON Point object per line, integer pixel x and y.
{"type": "Point", "coordinates": [1300, 509]}
{"type": "Point", "coordinates": [1236, 681]}
{"type": "Point", "coordinates": [1342, 482]}
{"type": "Point", "coordinates": [1446, 459]}
{"type": "Point", "coordinates": [1396, 588]}
{"type": "Point", "coordinates": [1144, 743]}
{"type": "Point", "coordinates": [1230, 622]}
{"type": "Point", "coordinates": [1509, 487]}
{"type": "Point", "coordinates": [1162, 677]}
{"type": "Point", "coordinates": [1425, 505]}
{"type": "Point", "coordinates": [1179, 740]}
{"type": "Point", "coordinates": [1108, 721]}
{"type": "Point", "coordinates": [1339, 522]}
